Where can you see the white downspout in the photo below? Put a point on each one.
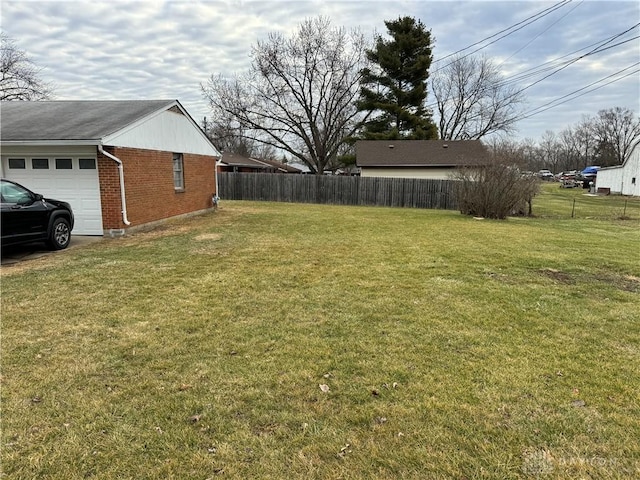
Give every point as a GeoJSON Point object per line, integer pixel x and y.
{"type": "Point", "coordinates": [121, 174]}
{"type": "Point", "coordinates": [216, 197]}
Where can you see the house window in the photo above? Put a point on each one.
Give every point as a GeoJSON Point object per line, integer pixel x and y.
{"type": "Point", "coordinates": [633, 180]}
{"type": "Point", "coordinates": [87, 163]}
{"type": "Point", "coordinates": [17, 163]}
{"type": "Point", "coordinates": [63, 164]}
{"type": "Point", "coordinates": [178, 172]}
{"type": "Point", "coordinates": [40, 163]}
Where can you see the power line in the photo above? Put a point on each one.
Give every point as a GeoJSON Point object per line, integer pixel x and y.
{"type": "Point", "coordinates": [541, 33]}
{"type": "Point", "coordinates": [540, 15]}
{"type": "Point", "coordinates": [553, 7]}
{"type": "Point", "coordinates": [557, 102]}
{"type": "Point", "coordinates": [592, 52]}
{"type": "Point", "coordinates": [533, 72]}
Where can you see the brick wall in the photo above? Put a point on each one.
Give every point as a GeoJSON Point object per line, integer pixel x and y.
{"type": "Point", "coordinates": [150, 194]}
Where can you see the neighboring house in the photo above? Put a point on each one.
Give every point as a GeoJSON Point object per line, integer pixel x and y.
{"type": "Point", "coordinates": [280, 167]}
{"type": "Point", "coordinates": [120, 164]}
{"type": "Point", "coordinates": [301, 167]}
{"type": "Point", "coordinates": [622, 179]}
{"type": "Point", "coordinates": [232, 162]}
{"type": "Point", "coordinates": [435, 159]}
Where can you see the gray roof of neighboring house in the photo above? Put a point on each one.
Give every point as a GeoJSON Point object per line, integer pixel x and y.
{"type": "Point", "coordinates": [235, 160]}
{"type": "Point", "coordinates": [70, 120]}
{"type": "Point", "coordinates": [280, 166]}
{"type": "Point", "coordinates": [420, 153]}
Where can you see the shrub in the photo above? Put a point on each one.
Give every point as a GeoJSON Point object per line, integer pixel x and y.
{"type": "Point", "coordinates": [494, 191]}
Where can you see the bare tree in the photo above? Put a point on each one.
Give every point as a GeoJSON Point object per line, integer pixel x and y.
{"type": "Point", "coordinates": [586, 141]}
{"type": "Point", "coordinates": [506, 151]}
{"type": "Point", "coordinates": [299, 93]}
{"type": "Point", "coordinates": [228, 137]}
{"type": "Point", "coordinates": [619, 129]}
{"type": "Point", "coordinates": [19, 75]}
{"type": "Point", "coordinates": [569, 142]}
{"type": "Point", "coordinates": [550, 151]}
{"type": "Point", "coordinates": [473, 101]}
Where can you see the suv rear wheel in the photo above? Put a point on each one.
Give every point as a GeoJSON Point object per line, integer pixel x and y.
{"type": "Point", "coordinates": [60, 235]}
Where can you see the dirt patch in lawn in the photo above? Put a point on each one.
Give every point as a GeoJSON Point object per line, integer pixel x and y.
{"type": "Point", "coordinates": [628, 283]}
{"type": "Point", "coordinates": [209, 236]}
{"type": "Point", "coordinates": [557, 275]}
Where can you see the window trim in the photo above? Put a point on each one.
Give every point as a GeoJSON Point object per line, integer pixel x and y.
{"type": "Point", "coordinates": [63, 161]}
{"type": "Point", "coordinates": [37, 160]}
{"type": "Point", "coordinates": [82, 161]}
{"type": "Point", "coordinates": [21, 161]}
{"type": "Point", "coordinates": [178, 160]}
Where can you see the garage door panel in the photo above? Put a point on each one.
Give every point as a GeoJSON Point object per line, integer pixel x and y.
{"type": "Point", "coordinates": [80, 188]}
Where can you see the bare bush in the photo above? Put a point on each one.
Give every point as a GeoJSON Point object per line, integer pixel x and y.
{"type": "Point", "coordinates": [494, 191]}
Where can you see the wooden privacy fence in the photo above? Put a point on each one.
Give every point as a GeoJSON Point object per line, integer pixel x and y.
{"type": "Point", "coordinates": [338, 190]}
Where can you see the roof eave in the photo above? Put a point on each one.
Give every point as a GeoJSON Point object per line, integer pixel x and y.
{"type": "Point", "coordinates": [420, 165]}
{"type": "Point", "coordinates": [47, 143]}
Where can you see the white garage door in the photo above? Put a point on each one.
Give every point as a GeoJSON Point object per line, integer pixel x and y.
{"type": "Point", "coordinates": [73, 180]}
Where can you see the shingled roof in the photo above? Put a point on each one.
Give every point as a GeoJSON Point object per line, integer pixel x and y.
{"type": "Point", "coordinates": [420, 153]}
{"type": "Point", "coordinates": [236, 160]}
{"type": "Point", "coordinates": [72, 120]}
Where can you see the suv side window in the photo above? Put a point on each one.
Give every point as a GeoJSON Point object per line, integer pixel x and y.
{"type": "Point", "coordinates": [13, 194]}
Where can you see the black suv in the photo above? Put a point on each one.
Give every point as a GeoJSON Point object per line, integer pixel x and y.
{"type": "Point", "coordinates": [29, 217]}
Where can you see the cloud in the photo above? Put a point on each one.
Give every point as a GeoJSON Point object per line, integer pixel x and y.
{"type": "Point", "coordinates": [166, 49]}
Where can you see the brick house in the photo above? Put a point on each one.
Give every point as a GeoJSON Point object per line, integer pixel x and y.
{"type": "Point", "coordinates": [120, 164]}
{"type": "Point", "coordinates": [434, 159]}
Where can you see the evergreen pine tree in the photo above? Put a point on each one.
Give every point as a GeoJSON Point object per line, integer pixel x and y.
{"type": "Point", "coordinates": [395, 89]}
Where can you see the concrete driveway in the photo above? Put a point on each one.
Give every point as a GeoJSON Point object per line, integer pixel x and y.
{"type": "Point", "coordinates": [19, 253]}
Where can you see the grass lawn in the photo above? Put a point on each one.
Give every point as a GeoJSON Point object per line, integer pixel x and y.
{"type": "Point", "coordinates": [277, 341]}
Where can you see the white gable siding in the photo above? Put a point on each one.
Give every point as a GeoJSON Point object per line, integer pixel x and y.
{"type": "Point", "coordinates": [167, 131]}
{"type": "Point", "coordinates": [624, 179]}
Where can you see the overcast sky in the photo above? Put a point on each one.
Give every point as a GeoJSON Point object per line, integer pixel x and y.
{"type": "Point", "coordinates": [98, 50]}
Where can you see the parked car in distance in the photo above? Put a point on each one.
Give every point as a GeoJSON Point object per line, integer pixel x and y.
{"type": "Point", "coordinates": [545, 175]}
{"type": "Point", "coordinates": [28, 217]}
{"type": "Point", "coordinates": [568, 179]}
{"type": "Point", "coordinates": [588, 176]}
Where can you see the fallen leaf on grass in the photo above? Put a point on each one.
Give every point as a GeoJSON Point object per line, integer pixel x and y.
{"type": "Point", "coordinates": [344, 450]}
{"type": "Point", "coordinates": [184, 387]}
{"type": "Point", "coordinates": [578, 403]}
{"type": "Point", "coordinates": [195, 418]}
{"type": "Point", "coordinates": [324, 387]}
